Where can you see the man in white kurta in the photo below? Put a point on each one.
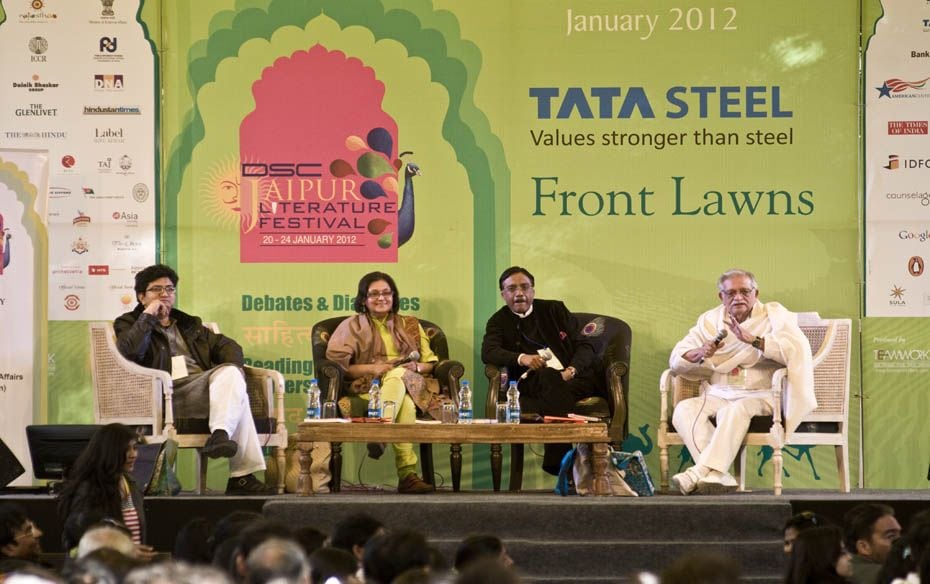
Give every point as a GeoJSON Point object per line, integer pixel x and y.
{"type": "Point", "coordinates": [736, 347]}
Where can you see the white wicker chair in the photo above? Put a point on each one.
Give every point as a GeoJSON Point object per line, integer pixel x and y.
{"type": "Point", "coordinates": [828, 424]}
{"type": "Point", "coordinates": [130, 394]}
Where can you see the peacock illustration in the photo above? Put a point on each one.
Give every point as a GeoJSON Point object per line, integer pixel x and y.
{"type": "Point", "coordinates": [375, 165]}
{"type": "Point", "coordinates": [406, 217]}
{"type": "Point", "coordinates": [633, 443]}
{"type": "Point", "coordinates": [5, 244]}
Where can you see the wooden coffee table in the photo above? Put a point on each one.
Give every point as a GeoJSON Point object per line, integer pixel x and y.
{"type": "Point", "coordinates": [455, 435]}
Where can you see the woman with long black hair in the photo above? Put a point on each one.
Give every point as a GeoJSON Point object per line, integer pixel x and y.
{"type": "Point", "coordinates": [100, 484]}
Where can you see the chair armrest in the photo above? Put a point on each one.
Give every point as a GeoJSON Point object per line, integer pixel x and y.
{"type": "Point", "coordinates": [266, 396]}
{"type": "Point", "coordinates": [493, 373]}
{"type": "Point", "coordinates": [616, 393]}
{"type": "Point", "coordinates": [779, 385]}
{"type": "Point", "coordinates": [449, 372]}
{"type": "Point", "coordinates": [330, 376]}
{"type": "Point", "coordinates": [665, 385]}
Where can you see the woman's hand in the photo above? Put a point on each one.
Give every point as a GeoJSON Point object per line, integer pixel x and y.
{"type": "Point", "coordinates": [379, 369]}
{"type": "Point", "coordinates": [146, 553]}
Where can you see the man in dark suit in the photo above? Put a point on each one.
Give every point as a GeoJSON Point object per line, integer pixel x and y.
{"type": "Point", "coordinates": [520, 333]}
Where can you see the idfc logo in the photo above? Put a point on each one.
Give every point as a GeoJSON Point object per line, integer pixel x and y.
{"type": "Point", "coordinates": [262, 169]}
{"type": "Point", "coordinates": [895, 162]}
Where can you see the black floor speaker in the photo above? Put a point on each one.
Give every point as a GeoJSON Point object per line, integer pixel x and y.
{"type": "Point", "coordinates": [10, 468]}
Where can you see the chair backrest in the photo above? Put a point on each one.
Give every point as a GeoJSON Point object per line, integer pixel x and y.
{"type": "Point", "coordinates": [322, 330]}
{"type": "Point", "coordinates": [612, 338]}
{"type": "Point", "coordinates": [830, 345]}
{"type": "Point", "coordinates": [119, 395]}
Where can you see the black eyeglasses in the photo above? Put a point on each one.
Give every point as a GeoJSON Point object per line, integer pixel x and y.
{"type": "Point", "coordinates": [160, 289]}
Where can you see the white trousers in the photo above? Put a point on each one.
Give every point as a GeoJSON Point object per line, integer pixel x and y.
{"type": "Point", "coordinates": [716, 448]}
{"type": "Point", "coordinates": [230, 411]}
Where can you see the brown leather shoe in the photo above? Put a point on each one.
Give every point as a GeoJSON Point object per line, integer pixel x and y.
{"type": "Point", "coordinates": [414, 485]}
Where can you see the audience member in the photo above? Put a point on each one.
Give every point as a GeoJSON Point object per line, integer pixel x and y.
{"type": "Point", "coordinates": [192, 543]}
{"type": "Point", "coordinates": [479, 547]}
{"type": "Point", "coordinates": [103, 565]}
{"type": "Point", "coordinates": [353, 532]}
{"type": "Point", "coordinates": [904, 561]}
{"type": "Point", "coordinates": [331, 562]}
{"type": "Point", "coordinates": [177, 573]}
{"type": "Point", "coordinates": [798, 523]}
{"type": "Point", "coordinates": [310, 539]}
{"type": "Point", "coordinates": [702, 568]}
{"type": "Point", "coordinates": [277, 560]}
{"type": "Point", "coordinates": [100, 481]}
{"type": "Point", "coordinates": [487, 571]}
{"type": "Point", "coordinates": [106, 537]}
{"type": "Point", "coordinates": [390, 554]}
{"type": "Point", "coordinates": [818, 557]}
{"type": "Point", "coordinates": [869, 531]}
{"type": "Point", "coordinates": [251, 538]}
{"type": "Point", "coordinates": [226, 538]}
{"type": "Point", "coordinates": [20, 538]}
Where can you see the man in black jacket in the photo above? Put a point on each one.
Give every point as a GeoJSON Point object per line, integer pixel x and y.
{"type": "Point", "coordinates": [520, 333]}
{"type": "Point", "coordinates": [207, 372]}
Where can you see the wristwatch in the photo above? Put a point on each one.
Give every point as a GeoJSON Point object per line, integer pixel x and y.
{"type": "Point", "coordinates": [757, 342]}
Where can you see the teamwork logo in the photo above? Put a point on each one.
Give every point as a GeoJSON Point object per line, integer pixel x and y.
{"type": "Point", "coordinates": [319, 176]}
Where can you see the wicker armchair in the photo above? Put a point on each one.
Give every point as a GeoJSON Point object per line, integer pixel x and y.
{"type": "Point", "coordinates": [828, 424]}
{"type": "Point", "coordinates": [614, 348]}
{"type": "Point", "coordinates": [130, 394]}
{"type": "Point", "coordinates": [333, 384]}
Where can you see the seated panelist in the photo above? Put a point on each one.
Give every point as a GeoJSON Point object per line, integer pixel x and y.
{"type": "Point", "coordinates": [207, 370]}
{"type": "Point", "coordinates": [375, 344]}
{"type": "Point", "coordinates": [737, 347]}
{"type": "Point", "coordinates": [541, 344]}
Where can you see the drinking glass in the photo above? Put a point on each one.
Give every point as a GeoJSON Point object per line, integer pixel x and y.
{"type": "Point", "coordinates": [329, 410]}
{"type": "Point", "coordinates": [502, 410]}
{"type": "Point", "coordinates": [448, 413]}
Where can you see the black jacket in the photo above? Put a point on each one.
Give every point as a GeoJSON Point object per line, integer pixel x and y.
{"type": "Point", "coordinates": [560, 329]}
{"type": "Point", "coordinates": [137, 340]}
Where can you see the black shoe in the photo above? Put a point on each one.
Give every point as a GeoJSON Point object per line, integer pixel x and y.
{"type": "Point", "coordinates": [248, 486]}
{"type": "Point", "coordinates": [219, 446]}
{"type": "Point", "coordinates": [376, 449]}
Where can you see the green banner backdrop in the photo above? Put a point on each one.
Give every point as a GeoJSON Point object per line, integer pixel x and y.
{"type": "Point", "coordinates": [626, 154]}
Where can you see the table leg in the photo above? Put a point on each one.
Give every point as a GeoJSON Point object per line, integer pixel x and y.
{"type": "Point", "coordinates": [599, 463]}
{"type": "Point", "coordinates": [304, 479]}
{"type": "Point", "coordinates": [335, 483]}
{"type": "Point", "coordinates": [455, 460]}
{"type": "Point", "coordinates": [496, 459]}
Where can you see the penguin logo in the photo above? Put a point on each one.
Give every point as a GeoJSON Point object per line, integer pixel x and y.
{"type": "Point", "coordinates": [915, 266]}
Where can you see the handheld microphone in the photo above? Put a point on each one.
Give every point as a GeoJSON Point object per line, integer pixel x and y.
{"type": "Point", "coordinates": [413, 356]}
{"type": "Point", "coordinates": [720, 336]}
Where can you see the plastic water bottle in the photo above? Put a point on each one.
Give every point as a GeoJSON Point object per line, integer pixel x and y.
{"type": "Point", "coordinates": [513, 403]}
{"type": "Point", "coordinates": [313, 401]}
{"type": "Point", "coordinates": [466, 413]}
{"type": "Point", "coordinates": [374, 399]}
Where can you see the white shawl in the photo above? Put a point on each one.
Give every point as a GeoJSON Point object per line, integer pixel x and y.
{"type": "Point", "coordinates": [784, 343]}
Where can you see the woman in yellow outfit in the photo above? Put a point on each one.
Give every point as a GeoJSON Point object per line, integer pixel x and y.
{"type": "Point", "coordinates": [371, 345]}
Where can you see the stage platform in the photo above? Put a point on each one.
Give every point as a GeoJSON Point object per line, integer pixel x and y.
{"type": "Point", "coordinates": [552, 538]}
